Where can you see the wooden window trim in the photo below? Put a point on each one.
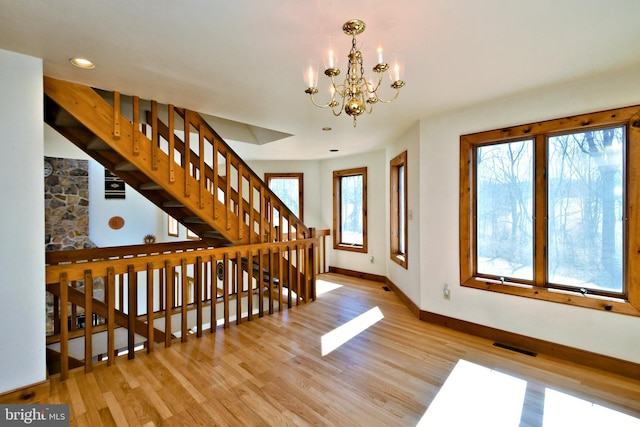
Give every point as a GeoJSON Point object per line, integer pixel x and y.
{"type": "Point", "coordinates": [337, 233]}
{"type": "Point", "coordinates": [395, 254]}
{"type": "Point", "coordinates": [299, 175]}
{"type": "Point", "coordinates": [177, 226]}
{"type": "Point", "coordinates": [191, 235]}
{"type": "Point", "coordinates": [629, 117]}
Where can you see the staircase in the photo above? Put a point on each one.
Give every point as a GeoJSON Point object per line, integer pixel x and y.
{"type": "Point", "coordinates": [175, 159]}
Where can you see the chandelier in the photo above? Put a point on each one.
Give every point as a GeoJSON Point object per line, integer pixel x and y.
{"type": "Point", "coordinates": [356, 95]}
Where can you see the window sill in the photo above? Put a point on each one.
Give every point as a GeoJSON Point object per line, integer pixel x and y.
{"type": "Point", "coordinates": [350, 247]}
{"type": "Point", "coordinates": [399, 259]}
{"type": "Point", "coordinates": [596, 302]}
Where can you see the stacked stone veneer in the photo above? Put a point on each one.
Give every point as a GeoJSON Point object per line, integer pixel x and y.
{"type": "Point", "coordinates": [66, 204]}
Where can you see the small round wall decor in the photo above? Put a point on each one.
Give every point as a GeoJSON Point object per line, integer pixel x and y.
{"type": "Point", "coordinates": [116, 222]}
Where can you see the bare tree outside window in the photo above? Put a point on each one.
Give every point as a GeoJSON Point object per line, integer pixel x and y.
{"type": "Point", "coordinates": [549, 211]}
{"type": "Point", "coordinates": [586, 194]}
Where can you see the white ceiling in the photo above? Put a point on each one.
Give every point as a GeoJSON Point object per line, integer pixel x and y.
{"type": "Point", "coordinates": [242, 60]}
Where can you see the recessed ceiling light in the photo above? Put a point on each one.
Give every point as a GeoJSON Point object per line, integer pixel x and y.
{"type": "Point", "coordinates": [327, 128]}
{"type": "Point", "coordinates": [334, 150]}
{"type": "Point", "coordinates": [82, 63]}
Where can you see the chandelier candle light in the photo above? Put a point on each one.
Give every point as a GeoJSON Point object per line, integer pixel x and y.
{"type": "Point", "coordinates": [357, 93]}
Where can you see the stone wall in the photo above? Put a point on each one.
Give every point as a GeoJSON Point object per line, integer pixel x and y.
{"type": "Point", "coordinates": [66, 204]}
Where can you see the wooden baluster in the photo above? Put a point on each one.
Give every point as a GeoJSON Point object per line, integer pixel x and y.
{"type": "Point", "coordinates": [311, 271]}
{"type": "Point", "coordinates": [271, 266]}
{"type": "Point", "coordinates": [150, 316]}
{"type": "Point", "coordinates": [132, 311]}
{"type": "Point", "coordinates": [198, 295]}
{"type": "Point", "coordinates": [172, 145]}
{"type": "Point", "coordinates": [239, 286]}
{"type": "Point", "coordinates": [187, 154]}
{"type": "Point", "coordinates": [161, 290]}
{"type": "Point", "coordinates": [250, 285]}
{"type": "Point", "coordinates": [202, 177]}
{"type": "Point", "coordinates": [116, 115]}
{"type": "Point", "coordinates": [225, 290]}
{"type": "Point", "coordinates": [136, 126]}
{"type": "Point", "coordinates": [74, 310]}
{"type": "Point", "coordinates": [214, 293]}
{"type": "Point", "coordinates": [168, 311]}
{"type": "Point", "coordinates": [121, 292]}
{"type": "Point", "coordinates": [185, 302]}
{"type": "Point", "coordinates": [227, 198]}
{"type": "Point", "coordinates": [260, 283]}
{"type": "Point", "coordinates": [56, 314]}
{"type": "Point", "coordinates": [111, 314]}
{"type": "Point", "coordinates": [215, 179]}
{"type": "Point", "coordinates": [155, 143]}
{"type": "Point", "coordinates": [290, 277]}
{"type": "Point", "coordinates": [305, 271]}
{"type": "Point", "coordinates": [281, 282]}
{"type": "Point", "coordinates": [240, 202]}
{"type": "Point", "coordinates": [263, 212]}
{"type": "Point", "coordinates": [88, 321]}
{"type": "Point", "coordinates": [298, 276]}
{"type": "Point", "coordinates": [252, 211]}
{"type": "Point", "coordinates": [64, 327]}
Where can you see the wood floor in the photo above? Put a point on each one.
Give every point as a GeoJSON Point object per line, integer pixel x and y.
{"type": "Point", "coordinates": [398, 372]}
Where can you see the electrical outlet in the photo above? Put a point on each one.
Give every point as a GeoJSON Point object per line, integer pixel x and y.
{"type": "Point", "coordinates": [446, 293]}
{"type": "Point", "coordinates": [371, 259]}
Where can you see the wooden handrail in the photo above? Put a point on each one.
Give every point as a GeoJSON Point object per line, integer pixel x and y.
{"type": "Point", "coordinates": [128, 251]}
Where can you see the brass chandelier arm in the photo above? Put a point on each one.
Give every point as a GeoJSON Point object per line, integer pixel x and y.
{"type": "Point", "coordinates": [387, 101]}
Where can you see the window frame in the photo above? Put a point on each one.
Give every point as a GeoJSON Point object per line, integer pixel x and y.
{"type": "Point", "coordinates": [397, 256]}
{"type": "Point", "coordinates": [337, 204]}
{"type": "Point", "coordinates": [629, 302]}
{"type": "Point", "coordinates": [300, 177]}
{"type": "Point", "coordinates": [172, 223]}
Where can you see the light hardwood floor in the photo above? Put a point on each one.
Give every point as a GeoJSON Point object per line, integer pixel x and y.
{"type": "Point", "coordinates": [399, 371]}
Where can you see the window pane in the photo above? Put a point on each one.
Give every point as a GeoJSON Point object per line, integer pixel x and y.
{"type": "Point", "coordinates": [586, 194]}
{"type": "Point", "coordinates": [351, 209]}
{"type": "Point", "coordinates": [287, 189]}
{"type": "Point", "coordinates": [401, 212]}
{"type": "Point", "coordinates": [504, 210]}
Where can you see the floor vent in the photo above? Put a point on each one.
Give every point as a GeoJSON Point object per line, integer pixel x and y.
{"type": "Point", "coordinates": [516, 349]}
{"type": "Point", "coordinates": [386, 289]}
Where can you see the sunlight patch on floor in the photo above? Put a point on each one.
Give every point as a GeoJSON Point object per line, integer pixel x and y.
{"type": "Point", "coordinates": [477, 396]}
{"type": "Point", "coordinates": [474, 395]}
{"type": "Point", "coordinates": [561, 409]}
{"type": "Point", "coordinates": [343, 333]}
{"type": "Point", "coordinates": [323, 287]}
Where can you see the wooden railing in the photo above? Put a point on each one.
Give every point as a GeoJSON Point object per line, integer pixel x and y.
{"type": "Point", "coordinates": [177, 150]}
{"type": "Point", "coordinates": [152, 296]}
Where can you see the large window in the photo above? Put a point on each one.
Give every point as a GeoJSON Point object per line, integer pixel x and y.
{"type": "Point", "coordinates": [398, 206]}
{"type": "Point", "coordinates": [547, 210]}
{"type": "Point", "coordinates": [289, 188]}
{"type": "Point", "coordinates": [350, 209]}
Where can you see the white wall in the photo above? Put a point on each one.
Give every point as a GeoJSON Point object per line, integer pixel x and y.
{"type": "Point", "coordinates": [22, 297]}
{"type": "Point", "coordinates": [407, 280]}
{"type": "Point", "coordinates": [597, 331]}
{"type": "Point", "coordinates": [141, 217]}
